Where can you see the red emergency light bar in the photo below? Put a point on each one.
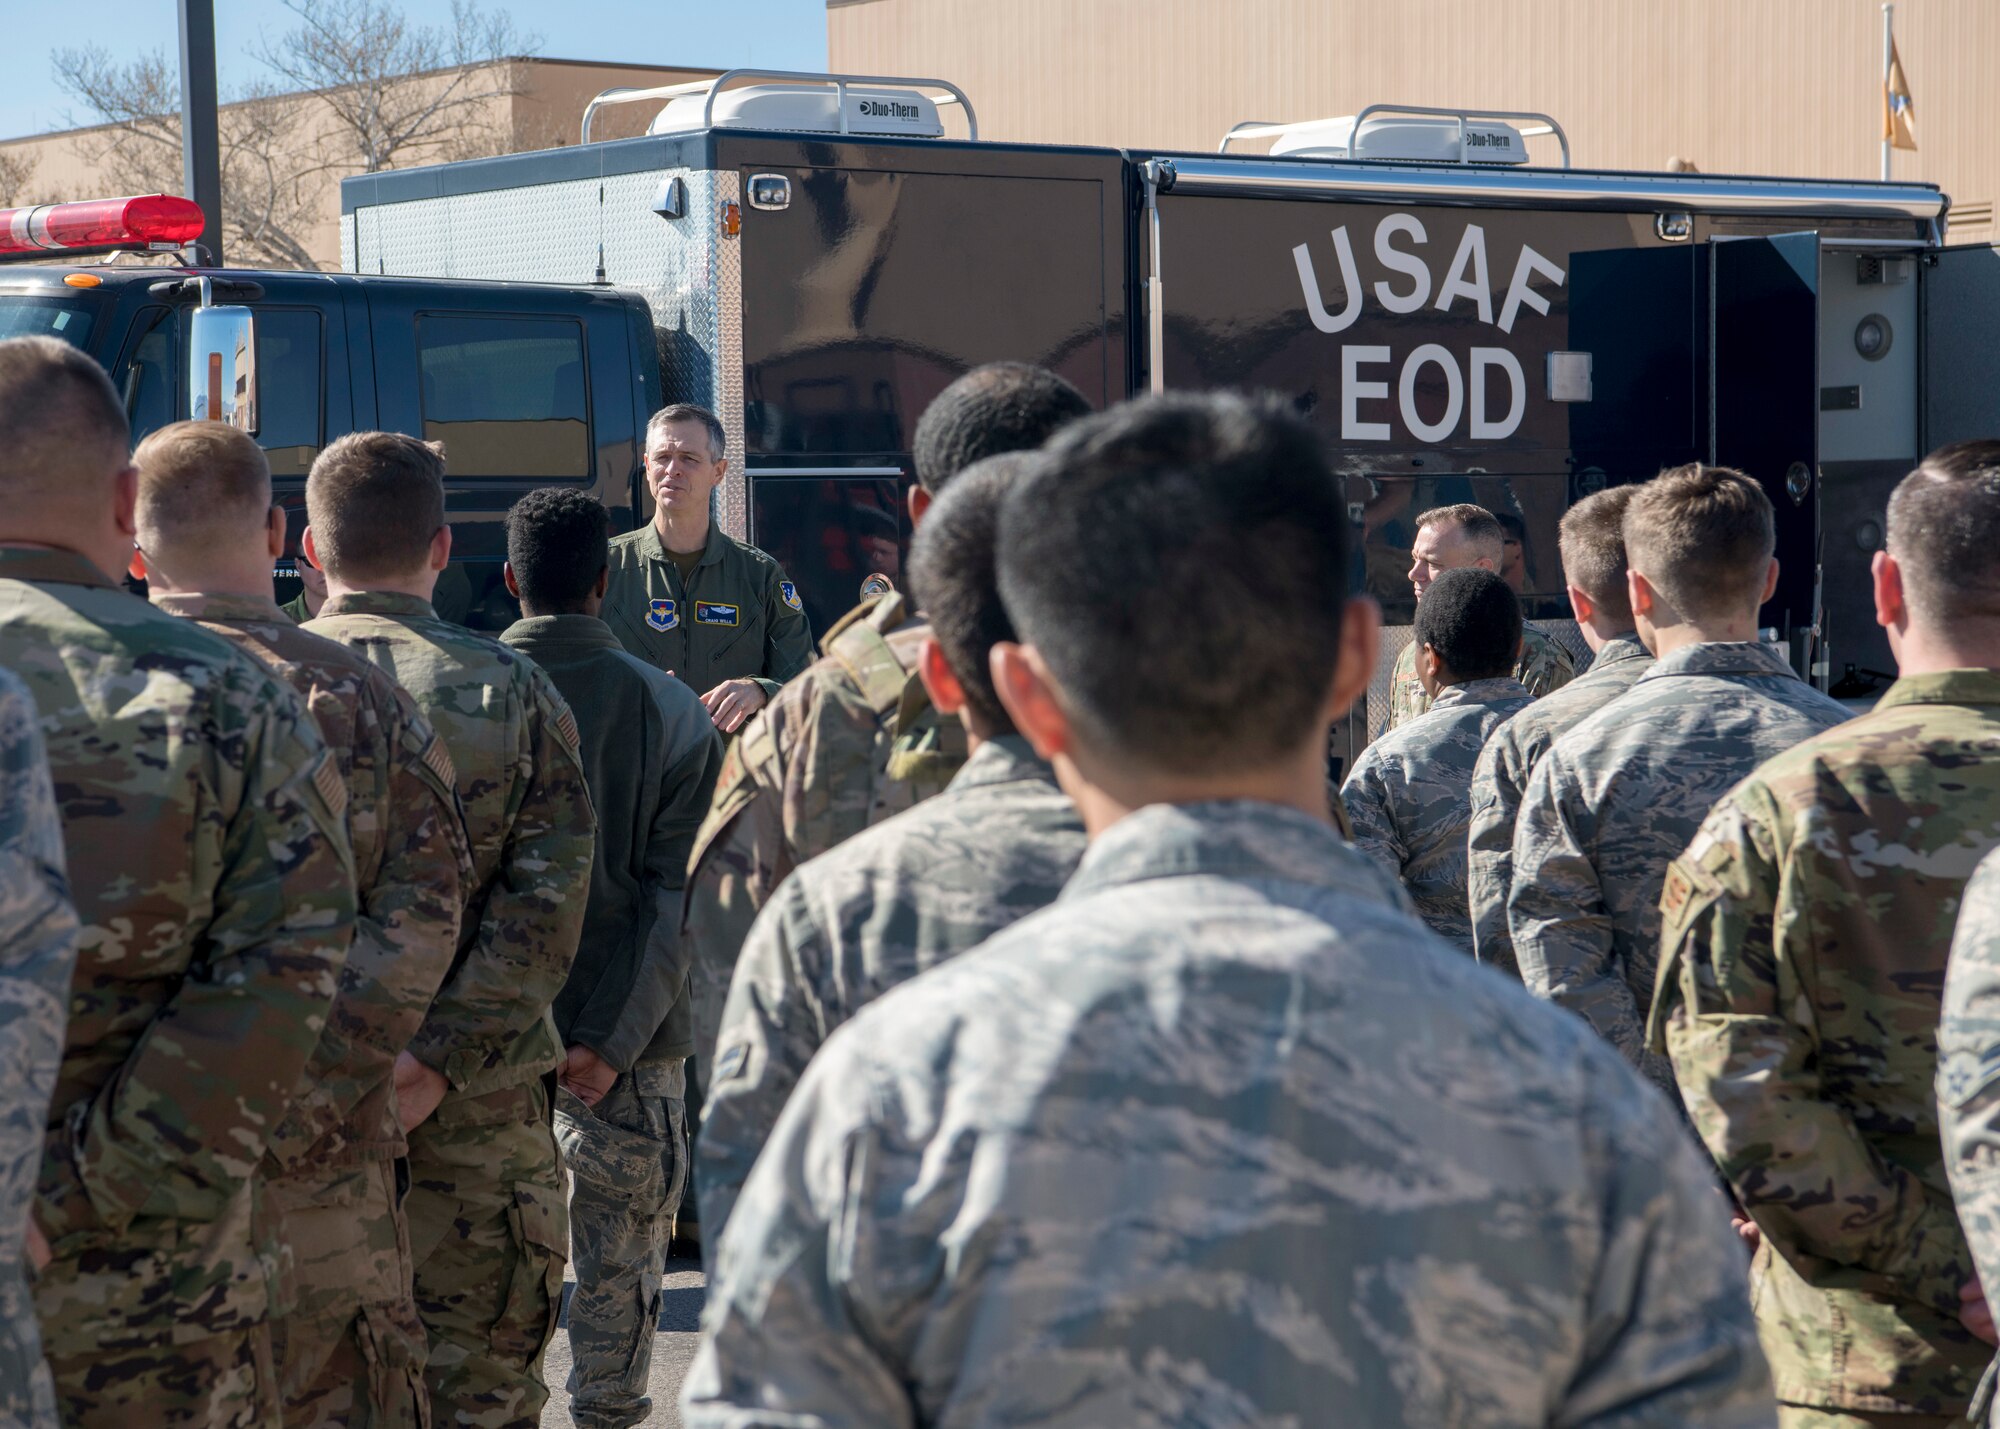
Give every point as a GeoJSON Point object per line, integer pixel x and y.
{"type": "Point", "coordinates": [149, 220]}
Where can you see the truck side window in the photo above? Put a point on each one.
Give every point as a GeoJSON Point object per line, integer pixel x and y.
{"type": "Point", "coordinates": [288, 388]}
{"type": "Point", "coordinates": [150, 384]}
{"type": "Point", "coordinates": [506, 395]}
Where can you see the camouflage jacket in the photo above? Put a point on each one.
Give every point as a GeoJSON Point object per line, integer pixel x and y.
{"type": "Point", "coordinates": [205, 828]}
{"type": "Point", "coordinates": [1407, 797]}
{"type": "Point", "coordinates": [1611, 804]}
{"type": "Point", "coordinates": [513, 744]}
{"type": "Point", "coordinates": [1501, 777]}
{"type": "Point", "coordinates": [1545, 665]}
{"type": "Point", "coordinates": [37, 952]}
{"type": "Point", "coordinates": [411, 864]}
{"type": "Point", "coordinates": [1224, 1137]}
{"type": "Point", "coordinates": [851, 742]}
{"type": "Point", "coordinates": [904, 896]}
{"type": "Point", "coordinates": [1802, 970]}
{"type": "Point", "coordinates": [1968, 1076]}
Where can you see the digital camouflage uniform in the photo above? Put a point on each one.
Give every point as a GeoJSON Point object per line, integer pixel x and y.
{"type": "Point", "coordinates": [1968, 1077]}
{"type": "Point", "coordinates": [1407, 798]}
{"type": "Point", "coordinates": [1224, 1138]}
{"type": "Point", "coordinates": [650, 756]}
{"type": "Point", "coordinates": [37, 952]}
{"type": "Point", "coordinates": [1501, 777]}
{"type": "Point", "coordinates": [851, 742]}
{"type": "Point", "coordinates": [351, 1351]}
{"type": "Point", "coordinates": [205, 828]}
{"type": "Point", "coordinates": [1616, 799]}
{"type": "Point", "coordinates": [736, 618]}
{"type": "Point", "coordinates": [906, 895]}
{"type": "Point", "coordinates": [1544, 666]}
{"type": "Point", "coordinates": [1803, 956]}
{"type": "Point", "coordinates": [488, 1230]}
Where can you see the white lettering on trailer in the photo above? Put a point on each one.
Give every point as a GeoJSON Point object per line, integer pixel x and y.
{"type": "Point", "coordinates": [1352, 390]}
{"type": "Point", "coordinates": [1518, 291]}
{"type": "Point", "coordinates": [1397, 261]}
{"type": "Point", "coordinates": [1483, 358]}
{"type": "Point", "coordinates": [1350, 285]}
{"type": "Point", "coordinates": [1454, 393]}
{"type": "Point", "coordinates": [1459, 283]}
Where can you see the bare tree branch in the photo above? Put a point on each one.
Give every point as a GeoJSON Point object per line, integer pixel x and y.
{"type": "Point", "coordinates": [16, 169]}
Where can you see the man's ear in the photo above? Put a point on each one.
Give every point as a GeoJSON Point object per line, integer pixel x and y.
{"type": "Point", "coordinates": [1580, 604]}
{"type": "Point", "coordinates": [310, 549]}
{"type": "Point", "coordinates": [1770, 581]}
{"type": "Point", "coordinates": [1360, 648]}
{"type": "Point", "coordinates": [920, 502]}
{"type": "Point", "coordinates": [274, 531]}
{"type": "Point", "coordinates": [507, 577]}
{"type": "Point", "coordinates": [1031, 697]}
{"type": "Point", "coordinates": [125, 500]}
{"type": "Point", "coordinates": [136, 567]}
{"type": "Point", "coordinates": [1892, 608]}
{"type": "Point", "coordinates": [935, 671]}
{"type": "Point", "coordinates": [603, 583]}
{"type": "Point", "coordinates": [440, 548]}
{"type": "Point", "coordinates": [1639, 591]}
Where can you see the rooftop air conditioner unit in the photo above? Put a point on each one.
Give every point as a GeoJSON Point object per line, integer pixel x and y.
{"type": "Point", "coordinates": [903, 113]}
{"type": "Point", "coordinates": [1423, 140]}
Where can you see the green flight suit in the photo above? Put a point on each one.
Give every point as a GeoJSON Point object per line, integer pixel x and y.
{"type": "Point", "coordinates": [737, 618]}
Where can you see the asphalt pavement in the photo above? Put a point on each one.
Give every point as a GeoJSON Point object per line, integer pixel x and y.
{"type": "Point", "coordinates": [673, 1348]}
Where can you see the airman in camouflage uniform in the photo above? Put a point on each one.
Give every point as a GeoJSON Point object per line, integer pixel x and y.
{"type": "Point", "coordinates": [205, 828]}
{"type": "Point", "coordinates": [1544, 667]}
{"type": "Point", "coordinates": [488, 1229]}
{"type": "Point", "coordinates": [1622, 792]}
{"type": "Point", "coordinates": [37, 951]}
{"type": "Point", "coordinates": [1224, 1135]}
{"type": "Point", "coordinates": [351, 1350]}
{"type": "Point", "coordinates": [1593, 553]}
{"type": "Point", "coordinates": [908, 894]}
{"type": "Point", "coordinates": [1968, 1077]}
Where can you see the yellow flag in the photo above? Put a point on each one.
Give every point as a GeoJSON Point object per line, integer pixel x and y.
{"type": "Point", "coordinates": [1899, 111]}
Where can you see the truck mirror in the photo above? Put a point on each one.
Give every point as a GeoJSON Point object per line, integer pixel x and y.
{"type": "Point", "coordinates": [222, 371]}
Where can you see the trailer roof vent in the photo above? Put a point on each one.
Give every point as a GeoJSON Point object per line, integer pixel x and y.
{"type": "Point", "coordinates": [870, 105]}
{"type": "Point", "coordinates": [1407, 133]}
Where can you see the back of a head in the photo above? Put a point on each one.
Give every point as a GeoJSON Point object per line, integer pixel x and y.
{"type": "Point", "coordinates": [1702, 536]}
{"type": "Point", "coordinates": [1944, 531]}
{"type": "Point", "coordinates": [1475, 525]}
{"type": "Point", "coordinates": [375, 500]}
{"type": "Point", "coordinates": [63, 433]}
{"type": "Point", "coordinates": [1181, 564]}
{"type": "Point", "coordinates": [1001, 407]}
{"type": "Point", "coordinates": [1592, 538]}
{"type": "Point", "coordinates": [955, 579]}
{"type": "Point", "coordinates": [558, 543]}
{"type": "Point", "coordinates": [1472, 619]}
{"type": "Point", "coordinates": [203, 486]}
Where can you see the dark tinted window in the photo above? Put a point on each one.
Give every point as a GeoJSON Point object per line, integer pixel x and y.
{"type": "Point", "coordinates": [505, 395]}
{"type": "Point", "coordinates": [67, 318]}
{"type": "Point", "coordinates": [288, 388]}
{"type": "Point", "coordinates": [150, 382]}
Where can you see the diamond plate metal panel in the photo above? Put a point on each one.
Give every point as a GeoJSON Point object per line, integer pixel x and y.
{"type": "Point", "coordinates": [347, 242]}
{"type": "Point", "coordinates": [735, 492]}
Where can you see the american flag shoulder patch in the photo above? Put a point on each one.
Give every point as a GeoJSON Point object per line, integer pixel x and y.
{"type": "Point", "coordinates": [332, 788]}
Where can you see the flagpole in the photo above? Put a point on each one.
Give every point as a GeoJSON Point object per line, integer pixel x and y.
{"type": "Point", "coordinates": [1888, 49]}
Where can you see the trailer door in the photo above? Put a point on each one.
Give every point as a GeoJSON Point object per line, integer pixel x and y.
{"type": "Point", "coordinates": [1961, 361]}
{"type": "Point", "coordinates": [1763, 403]}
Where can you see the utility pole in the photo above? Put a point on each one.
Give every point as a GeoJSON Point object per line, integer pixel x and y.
{"type": "Point", "coordinates": [201, 152]}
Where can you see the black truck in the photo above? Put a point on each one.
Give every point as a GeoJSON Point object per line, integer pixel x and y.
{"type": "Point", "coordinates": [815, 258]}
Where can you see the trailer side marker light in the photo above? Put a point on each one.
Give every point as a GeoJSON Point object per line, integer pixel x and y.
{"type": "Point", "coordinates": [144, 221]}
{"type": "Point", "coordinates": [83, 280]}
{"type": "Point", "coordinates": [732, 220]}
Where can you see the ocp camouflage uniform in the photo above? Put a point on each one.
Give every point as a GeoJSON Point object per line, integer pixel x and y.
{"type": "Point", "coordinates": [205, 828]}
{"type": "Point", "coordinates": [37, 952]}
{"type": "Point", "coordinates": [351, 1351]}
{"type": "Point", "coordinates": [851, 742]}
{"type": "Point", "coordinates": [1968, 1076]}
{"type": "Point", "coordinates": [1612, 803]}
{"type": "Point", "coordinates": [904, 896]}
{"type": "Point", "coordinates": [1407, 798]}
{"type": "Point", "coordinates": [1223, 1137]}
{"type": "Point", "coordinates": [1803, 957]}
{"type": "Point", "coordinates": [488, 1229]}
{"type": "Point", "coordinates": [1501, 777]}
{"type": "Point", "coordinates": [1544, 666]}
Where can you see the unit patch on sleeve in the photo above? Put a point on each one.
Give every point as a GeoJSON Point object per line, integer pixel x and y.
{"type": "Point", "coordinates": [714, 612]}
{"type": "Point", "coordinates": [791, 594]}
{"type": "Point", "coordinates": [662, 614]}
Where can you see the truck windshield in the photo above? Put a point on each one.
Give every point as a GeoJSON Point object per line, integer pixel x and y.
{"type": "Point", "coordinates": [69, 318]}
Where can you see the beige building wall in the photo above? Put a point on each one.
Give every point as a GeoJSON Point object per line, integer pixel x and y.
{"type": "Point", "coordinates": [1734, 86]}
{"type": "Point", "coordinates": [544, 110]}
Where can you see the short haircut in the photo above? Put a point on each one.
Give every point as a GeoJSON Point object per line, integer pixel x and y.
{"type": "Point", "coordinates": [1474, 524]}
{"type": "Point", "coordinates": [1702, 536]}
{"type": "Point", "coordinates": [200, 483]}
{"type": "Point", "coordinates": [1472, 619]}
{"type": "Point", "coordinates": [63, 431]}
{"type": "Point", "coordinates": [954, 576]}
{"type": "Point", "coordinates": [374, 500]}
{"type": "Point", "coordinates": [1001, 407]}
{"type": "Point", "coordinates": [1592, 540]}
{"type": "Point", "coordinates": [1944, 531]}
{"type": "Point", "coordinates": [718, 440]}
{"type": "Point", "coordinates": [1103, 549]}
{"type": "Point", "coordinates": [558, 543]}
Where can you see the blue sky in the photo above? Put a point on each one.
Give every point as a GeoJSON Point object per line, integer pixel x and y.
{"type": "Point", "coordinates": [782, 34]}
